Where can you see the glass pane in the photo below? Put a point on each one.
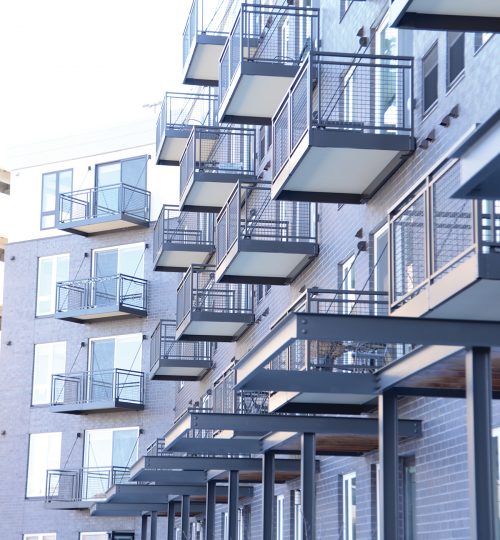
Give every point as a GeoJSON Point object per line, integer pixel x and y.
{"type": "Point", "coordinates": [49, 192]}
{"type": "Point", "coordinates": [131, 260]}
{"type": "Point", "coordinates": [50, 359]}
{"type": "Point", "coordinates": [108, 174]}
{"type": "Point", "coordinates": [62, 268]}
{"type": "Point", "coordinates": [65, 181]}
{"type": "Point", "coordinates": [102, 354]}
{"type": "Point", "coordinates": [381, 262]}
{"type": "Point", "coordinates": [128, 352]}
{"type": "Point", "coordinates": [105, 263]}
{"type": "Point", "coordinates": [102, 363]}
{"type": "Point", "coordinates": [124, 447]}
{"type": "Point", "coordinates": [44, 454]}
{"type": "Point", "coordinates": [134, 172]}
{"type": "Point", "coordinates": [50, 270]}
{"type": "Point", "coordinates": [98, 448]}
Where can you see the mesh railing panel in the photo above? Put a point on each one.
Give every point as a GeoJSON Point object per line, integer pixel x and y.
{"type": "Point", "coordinates": [187, 164]}
{"type": "Point", "coordinates": [191, 29]}
{"type": "Point", "coordinates": [281, 145]}
{"type": "Point", "coordinates": [252, 402]}
{"type": "Point", "coordinates": [97, 480]}
{"type": "Point", "coordinates": [63, 485]}
{"type": "Point", "coordinates": [490, 226]}
{"type": "Point", "coordinates": [299, 106]}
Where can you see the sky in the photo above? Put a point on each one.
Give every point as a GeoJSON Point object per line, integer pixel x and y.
{"type": "Point", "coordinates": [74, 66]}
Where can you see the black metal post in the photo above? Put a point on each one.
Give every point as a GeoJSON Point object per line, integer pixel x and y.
{"type": "Point", "coordinates": [479, 442]}
{"type": "Point", "coordinates": [171, 521]}
{"type": "Point", "coordinates": [388, 457]}
{"type": "Point", "coordinates": [267, 496]}
{"type": "Point", "coordinates": [185, 517]}
{"type": "Point", "coordinates": [144, 527]}
{"type": "Point", "coordinates": [308, 485]}
{"type": "Point", "coordinates": [233, 496]}
{"type": "Point", "coordinates": [210, 511]}
{"type": "Point", "coordinates": [154, 525]}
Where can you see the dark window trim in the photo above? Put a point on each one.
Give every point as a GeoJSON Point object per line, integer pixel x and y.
{"type": "Point", "coordinates": [57, 193]}
{"type": "Point", "coordinates": [483, 45]}
{"type": "Point", "coordinates": [450, 84]}
{"type": "Point", "coordinates": [432, 106]}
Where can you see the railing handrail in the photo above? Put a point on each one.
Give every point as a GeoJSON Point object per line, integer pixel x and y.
{"type": "Point", "coordinates": [118, 185]}
{"type": "Point", "coordinates": [103, 278]}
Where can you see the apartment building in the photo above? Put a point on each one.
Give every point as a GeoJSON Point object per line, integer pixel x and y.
{"type": "Point", "coordinates": [322, 302]}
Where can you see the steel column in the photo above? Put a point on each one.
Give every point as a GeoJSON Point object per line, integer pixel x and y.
{"type": "Point", "coordinates": [185, 517]}
{"type": "Point", "coordinates": [479, 442]}
{"type": "Point", "coordinates": [267, 495]}
{"type": "Point", "coordinates": [388, 458]}
{"type": "Point", "coordinates": [308, 484]}
{"type": "Point", "coordinates": [144, 527]}
{"type": "Point", "coordinates": [233, 496]}
{"type": "Point", "coordinates": [171, 521]}
{"type": "Point", "coordinates": [154, 525]}
{"type": "Point", "coordinates": [210, 511]}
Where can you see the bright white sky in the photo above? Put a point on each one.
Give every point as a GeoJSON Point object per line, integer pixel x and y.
{"type": "Point", "coordinates": [73, 66]}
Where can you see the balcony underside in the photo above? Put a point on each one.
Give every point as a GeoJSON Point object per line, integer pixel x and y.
{"type": "Point", "coordinates": [266, 262]}
{"type": "Point", "coordinates": [173, 145]}
{"type": "Point", "coordinates": [340, 166]}
{"type": "Point", "coordinates": [176, 257]}
{"type": "Point", "coordinates": [458, 15]}
{"type": "Point", "coordinates": [102, 224]}
{"type": "Point", "coordinates": [68, 505]}
{"type": "Point", "coordinates": [208, 192]}
{"type": "Point", "coordinates": [469, 291]}
{"type": "Point", "coordinates": [211, 326]}
{"type": "Point", "coordinates": [96, 407]}
{"type": "Point", "coordinates": [138, 509]}
{"type": "Point", "coordinates": [202, 64]}
{"type": "Point", "coordinates": [255, 92]}
{"type": "Point", "coordinates": [100, 313]}
{"type": "Point", "coordinates": [180, 369]}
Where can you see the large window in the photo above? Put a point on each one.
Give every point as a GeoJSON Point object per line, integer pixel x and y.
{"type": "Point", "coordinates": [349, 506]}
{"type": "Point", "coordinates": [430, 78]}
{"type": "Point", "coordinates": [127, 259]}
{"type": "Point", "coordinates": [280, 517]}
{"type": "Point", "coordinates": [50, 358]}
{"type": "Point", "coordinates": [409, 498]}
{"type": "Point", "coordinates": [455, 56]}
{"type": "Point", "coordinates": [297, 515]}
{"type": "Point", "coordinates": [127, 171]}
{"type": "Point", "coordinates": [53, 184]}
{"type": "Point", "coordinates": [44, 454]}
{"type": "Point", "coordinates": [50, 270]}
{"type": "Point", "coordinates": [40, 536]}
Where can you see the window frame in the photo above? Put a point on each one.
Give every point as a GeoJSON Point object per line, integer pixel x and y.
{"type": "Point", "coordinates": [479, 46]}
{"type": "Point", "coordinates": [121, 161]}
{"type": "Point", "coordinates": [31, 437]}
{"type": "Point", "coordinates": [111, 430]}
{"type": "Point", "coordinates": [450, 83]}
{"type": "Point", "coordinates": [47, 213]}
{"type": "Point", "coordinates": [430, 50]}
{"type": "Point", "coordinates": [39, 536]}
{"type": "Point", "coordinates": [142, 264]}
{"type": "Point", "coordinates": [53, 283]}
{"type": "Point", "coordinates": [89, 535]}
{"type": "Point", "coordinates": [36, 347]}
{"type": "Point", "coordinates": [348, 528]}
{"type": "Point", "coordinates": [280, 517]}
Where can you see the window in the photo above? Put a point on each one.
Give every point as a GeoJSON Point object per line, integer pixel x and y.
{"type": "Point", "coordinates": [349, 506]}
{"type": "Point", "coordinates": [94, 536]}
{"type": "Point", "coordinates": [197, 531]}
{"type": "Point", "coordinates": [42, 536]}
{"type": "Point", "coordinates": [348, 284]}
{"type": "Point", "coordinates": [280, 517]}
{"type": "Point", "coordinates": [455, 60]}
{"type": "Point", "coordinates": [430, 78]}
{"type": "Point", "coordinates": [127, 171]}
{"type": "Point", "coordinates": [297, 515]}
{"type": "Point", "coordinates": [344, 7]}
{"type": "Point", "coordinates": [381, 259]}
{"type": "Point", "coordinates": [496, 460]}
{"type": "Point", "coordinates": [262, 142]}
{"type": "Point", "coordinates": [409, 498]}
{"type": "Point", "coordinates": [44, 454]}
{"type": "Point", "coordinates": [127, 259]}
{"type": "Point", "coordinates": [50, 359]}
{"type": "Point", "coordinates": [480, 39]}
{"type": "Point", "coordinates": [53, 184]}
{"type": "Point", "coordinates": [50, 270]}
{"type": "Point", "coordinates": [225, 525]}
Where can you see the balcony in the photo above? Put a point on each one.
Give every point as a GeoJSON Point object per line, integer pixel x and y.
{"type": "Point", "coordinates": [209, 310]}
{"type": "Point", "coordinates": [177, 360]}
{"type": "Point", "coordinates": [480, 161]}
{"type": "Point", "coordinates": [179, 113]}
{"type": "Point", "coordinates": [73, 489]}
{"type": "Point", "coordinates": [343, 129]}
{"type": "Point", "coordinates": [451, 15]}
{"type": "Point", "coordinates": [97, 391]}
{"type": "Point", "coordinates": [445, 252]}
{"type": "Point", "coordinates": [95, 299]}
{"type": "Point", "coordinates": [264, 241]}
{"type": "Point", "coordinates": [203, 41]}
{"type": "Point", "coordinates": [262, 56]}
{"type": "Point", "coordinates": [214, 160]}
{"type": "Point", "coordinates": [182, 239]}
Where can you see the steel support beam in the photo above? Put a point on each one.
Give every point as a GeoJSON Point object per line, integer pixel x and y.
{"type": "Point", "coordinates": [154, 525]}
{"type": "Point", "coordinates": [144, 527]}
{"type": "Point", "coordinates": [479, 442]}
{"type": "Point", "coordinates": [267, 495]}
{"type": "Point", "coordinates": [185, 509]}
{"type": "Point", "coordinates": [308, 484]}
{"type": "Point", "coordinates": [210, 511]}
{"type": "Point", "coordinates": [388, 457]}
{"type": "Point", "coordinates": [171, 521]}
{"type": "Point", "coordinates": [234, 481]}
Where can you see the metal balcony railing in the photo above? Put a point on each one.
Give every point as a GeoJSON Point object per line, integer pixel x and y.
{"type": "Point", "coordinates": [268, 34]}
{"type": "Point", "coordinates": [251, 214]}
{"type": "Point", "coordinates": [102, 292]}
{"type": "Point", "coordinates": [164, 346]}
{"type": "Point", "coordinates": [357, 93]}
{"type": "Point", "coordinates": [72, 485]}
{"type": "Point", "coordinates": [199, 292]}
{"type": "Point", "coordinates": [115, 385]}
{"type": "Point", "coordinates": [218, 151]}
{"type": "Point", "coordinates": [100, 203]}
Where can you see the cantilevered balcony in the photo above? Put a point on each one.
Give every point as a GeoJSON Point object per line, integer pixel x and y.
{"type": "Point", "coordinates": [97, 391]}
{"type": "Point", "coordinates": [262, 56]}
{"type": "Point", "coordinates": [72, 489]}
{"type": "Point", "coordinates": [94, 299]}
{"type": "Point", "coordinates": [179, 113]}
{"type": "Point", "coordinates": [264, 241]}
{"type": "Point", "coordinates": [203, 41]}
{"type": "Point", "coordinates": [457, 15]}
{"type": "Point", "coordinates": [182, 239]}
{"type": "Point", "coordinates": [210, 310]}
{"type": "Point", "coordinates": [344, 127]}
{"type": "Point", "coordinates": [445, 252]}
{"type": "Point", "coordinates": [479, 155]}
{"type": "Point", "coordinates": [214, 159]}
{"type": "Point", "coordinates": [173, 360]}
{"type": "Point", "coordinates": [103, 209]}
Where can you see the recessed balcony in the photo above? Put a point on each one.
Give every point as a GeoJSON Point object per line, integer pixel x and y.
{"type": "Point", "coordinates": [203, 41]}
{"type": "Point", "coordinates": [479, 156]}
{"type": "Point", "coordinates": [451, 15]}
{"type": "Point", "coordinates": [97, 391]}
{"type": "Point", "coordinates": [445, 252]}
{"type": "Point", "coordinates": [182, 239]}
{"type": "Point", "coordinates": [100, 298]}
{"type": "Point", "coordinates": [104, 209]}
{"type": "Point", "coordinates": [173, 360]}
{"type": "Point", "coordinates": [214, 160]}
{"type": "Point", "coordinates": [262, 56]}
{"type": "Point", "coordinates": [209, 310]}
{"type": "Point", "coordinates": [179, 113]}
{"type": "Point", "coordinates": [264, 241]}
{"type": "Point", "coordinates": [344, 127]}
